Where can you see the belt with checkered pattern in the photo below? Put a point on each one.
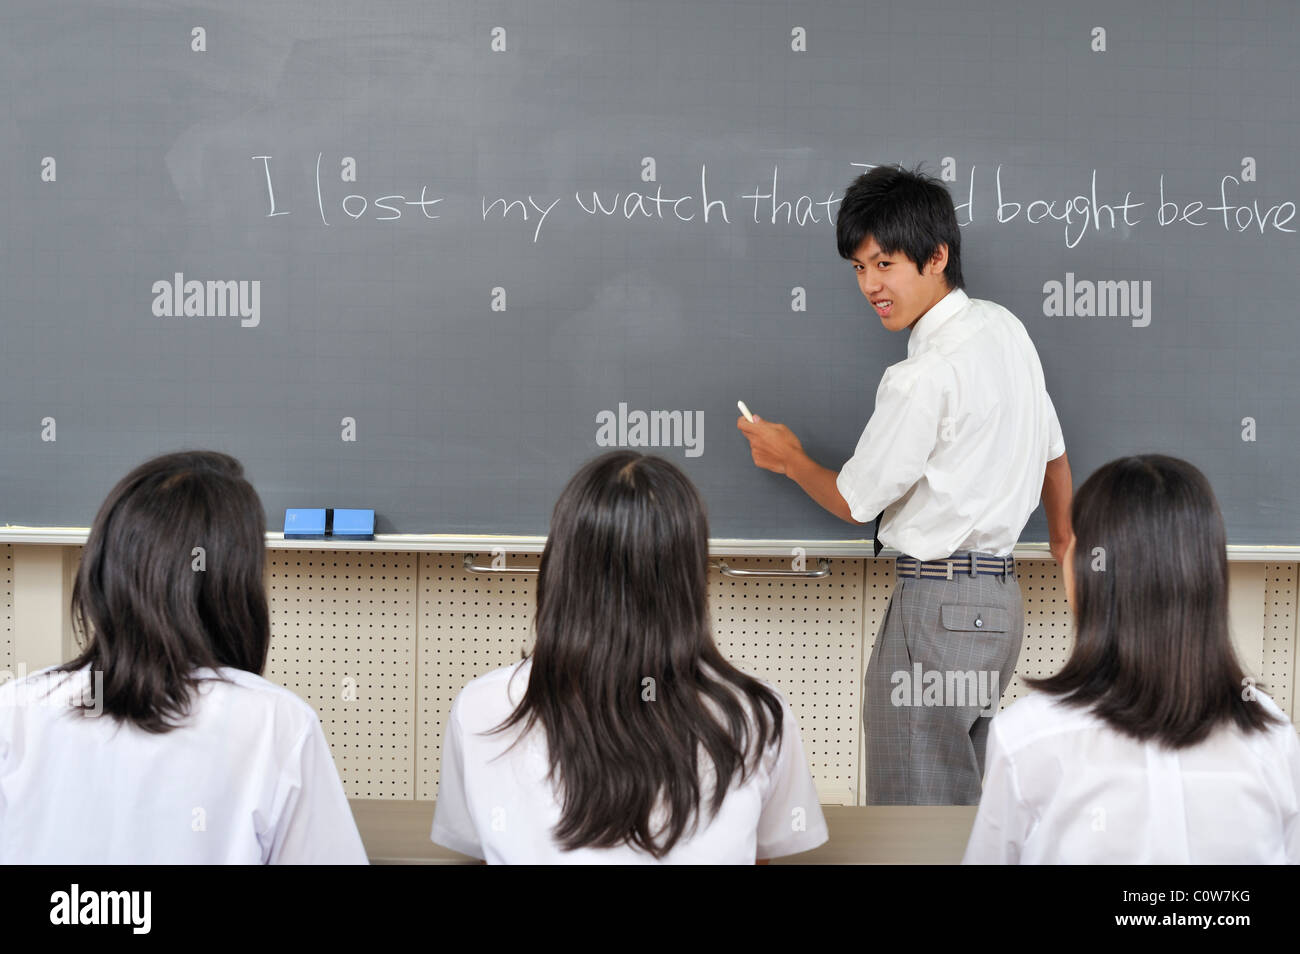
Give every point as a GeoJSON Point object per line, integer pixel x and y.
{"type": "Point", "coordinates": [970, 564]}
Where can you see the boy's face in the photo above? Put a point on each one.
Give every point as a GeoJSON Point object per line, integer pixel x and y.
{"type": "Point", "coordinates": [897, 290]}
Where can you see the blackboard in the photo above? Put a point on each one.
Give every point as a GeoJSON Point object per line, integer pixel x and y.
{"type": "Point", "coordinates": [474, 227]}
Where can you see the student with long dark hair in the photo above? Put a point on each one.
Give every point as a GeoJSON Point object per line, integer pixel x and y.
{"type": "Point", "coordinates": [1151, 745]}
{"type": "Point", "coordinates": [161, 742]}
{"type": "Point", "coordinates": [625, 736]}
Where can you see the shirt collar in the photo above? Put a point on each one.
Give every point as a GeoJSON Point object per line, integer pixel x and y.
{"type": "Point", "coordinates": [934, 319]}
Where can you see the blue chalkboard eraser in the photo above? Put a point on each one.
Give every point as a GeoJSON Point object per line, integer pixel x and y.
{"type": "Point", "coordinates": [304, 524]}
{"type": "Point", "coordinates": [354, 525]}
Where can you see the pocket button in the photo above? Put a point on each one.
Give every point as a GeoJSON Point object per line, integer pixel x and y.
{"type": "Point", "coordinates": [978, 622]}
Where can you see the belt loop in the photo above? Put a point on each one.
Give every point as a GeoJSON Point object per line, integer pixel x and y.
{"type": "Point", "coordinates": [970, 555]}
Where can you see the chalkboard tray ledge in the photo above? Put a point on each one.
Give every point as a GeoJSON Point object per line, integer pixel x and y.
{"type": "Point", "coordinates": [487, 543]}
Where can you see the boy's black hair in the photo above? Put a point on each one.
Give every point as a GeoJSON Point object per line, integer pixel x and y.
{"type": "Point", "coordinates": [908, 213]}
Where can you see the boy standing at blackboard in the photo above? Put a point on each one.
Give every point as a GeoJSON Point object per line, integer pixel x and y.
{"type": "Point", "coordinates": [963, 441]}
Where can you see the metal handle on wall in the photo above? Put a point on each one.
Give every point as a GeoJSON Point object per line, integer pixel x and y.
{"type": "Point", "coordinates": [823, 570]}
{"type": "Point", "coordinates": [480, 568]}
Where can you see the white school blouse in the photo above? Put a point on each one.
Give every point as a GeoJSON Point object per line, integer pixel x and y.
{"type": "Point", "coordinates": [1062, 787]}
{"type": "Point", "coordinates": [248, 779]}
{"type": "Point", "coordinates": [495, 803]}
{"type": "Point", "coordinates": [956, 448]}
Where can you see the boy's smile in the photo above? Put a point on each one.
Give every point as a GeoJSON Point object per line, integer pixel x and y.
{"type": "Point", "coordinates": [897, 290]}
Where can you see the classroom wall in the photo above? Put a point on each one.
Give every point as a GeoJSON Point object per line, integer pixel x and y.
{"type": "Point", "coordinates": [379, 643]}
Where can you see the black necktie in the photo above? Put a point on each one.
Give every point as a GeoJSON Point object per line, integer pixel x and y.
{"type": "Point", "coordinates": [876, 538]}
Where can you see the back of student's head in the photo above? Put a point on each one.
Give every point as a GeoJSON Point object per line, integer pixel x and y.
{"type": "Point", "coordinates": [171, 581]}
{"type": "Point", "coordinates": [624, 661]}
{"type": "Point", "coordinates": [1152, 653]}
{"type": "Point", "coordinates": [907, 213]}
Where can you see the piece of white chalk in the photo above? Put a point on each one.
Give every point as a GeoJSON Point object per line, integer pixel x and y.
{"type": "Point", "coordinates": [745, 411]}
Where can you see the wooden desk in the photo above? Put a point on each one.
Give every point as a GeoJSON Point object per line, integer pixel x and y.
{"type": "Point", "coordinates": [397, 833]}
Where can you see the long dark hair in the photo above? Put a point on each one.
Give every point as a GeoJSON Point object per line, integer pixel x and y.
{"type": "Point", "coordinates": [626, 682]}
{"type": "Point", "coordinates": [908, 213]}
{"type": "Point", "coordinates": [171, 581]}
{"type": "Point", "coordinates": [1152, 654]}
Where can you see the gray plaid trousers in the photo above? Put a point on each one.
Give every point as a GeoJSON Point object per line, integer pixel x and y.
{"type": "Point", "coordinates": [945, 649]}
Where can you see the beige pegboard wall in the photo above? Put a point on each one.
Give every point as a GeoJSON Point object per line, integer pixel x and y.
{"type": "Point", "coordinates": [411, 630]}
{"type": "Point", "coordinates": [801, 635]}
{"type": "Point", "coordinates": [1278, 668]}
{"type": "Point", "coordinates": [343, 629]}
{"type": "Point", "coordinates": [877, 588]}
{"type": "Point", "coordinates": [6, 607]}
{"type": "Point", "coordinates": [470, 624]}
{"type": "Point", "coordinates": [1049, 625]}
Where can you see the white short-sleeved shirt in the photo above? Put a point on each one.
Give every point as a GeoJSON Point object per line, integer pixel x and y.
{"type": "Point", "coordinates": [1063, 787]}
{"type": "Point", "coordinates": [494, 801]}
{"type": "Point", "coordinates": [247, 779]}
{"type": "Point", "coordinates": [963, 428]}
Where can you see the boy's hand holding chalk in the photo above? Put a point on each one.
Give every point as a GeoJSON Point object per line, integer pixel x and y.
{"type": "Point", "coordinates": [773, 446]}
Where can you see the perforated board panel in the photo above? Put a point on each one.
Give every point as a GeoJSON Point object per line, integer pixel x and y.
{"type": "Point", "coordinates": [1049, 625]}
{"type": "Point", "coordinates": [7, 608]}
{"type": "Point", "coordinates": [803, 637]}
{"type": "Point", "coordinates": [470, 624]}
{"type": "Point", "coordinates": [412, 630]}
{"type": "Point", "coordinates": [800, 635]}
{"type": "Point", "coordinates": [343, 638]}
{"type": "Point", "coordinates": [1278, 672]}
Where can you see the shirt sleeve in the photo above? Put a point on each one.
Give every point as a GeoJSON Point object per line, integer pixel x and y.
{"type": "Point", "coordinates": [898, 440]}
{"type": "Point", "coordinates": [1003, 819]}
{"type": "Point", "coordinates": [316, 824]}
{"type": "Point", "coordinates": [1055, 439]}
{"type": "Point", "coordinates": [791, 820]}
{"type": "Point", "coordinates": [453, 823]}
